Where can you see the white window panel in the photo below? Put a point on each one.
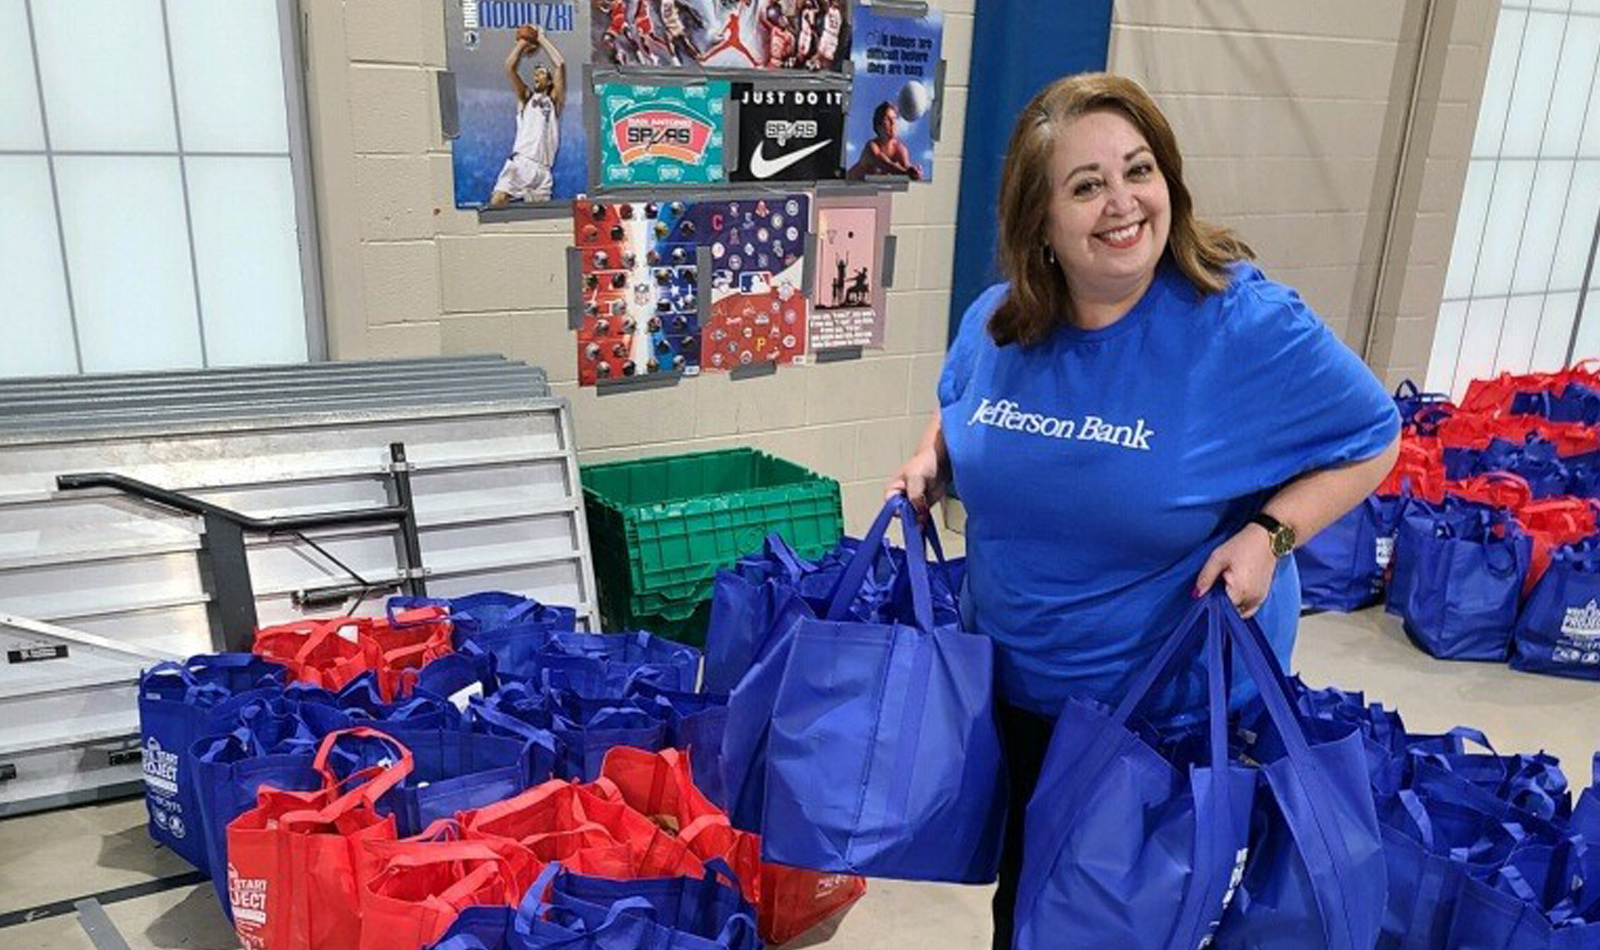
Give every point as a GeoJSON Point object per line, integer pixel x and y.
{"type": "Point", "coordinates": [19, 93]}
{"type": "Point", "coordinates": [1542, 227]}
{"type": "Point", "coordinates": [1574, 77]}
{"type": "Point", "coordinates": [1536, 76]}
{"type": "Point", "coordinates": [128, 249]}
{"type": "Point", "coordinates": [1480, 339]}
{"type": "Point", "coordinates": [1469, 229]}
{"type": "Point", "coordinates": [106, 82]}
{"type": "Point", "coordinates": [1588, 343]}
{"type": "Point", "coordinates": [1497, 87]}
{"type": "Point", "coordinates": [1446, 342]}
{"type": "Point", "coordinates": [1577, 227]}
{"type": "Point", "coordinates": [248, 260]}
{"type": "Point", "coordinates": [1555, 332]}
{"type": "Point", "coordinates": [1508, 205]}
{"type": "Point", "coordinates": [1586, 6]}
{"type": "Point", "coordinates": [30, 270]}
{"type": "Point", "coordinates": [1519, 333]}
{"type": "Point", "coordinates": [1589, 144]}
{"type": "Point", "coordinates": [228, 68]}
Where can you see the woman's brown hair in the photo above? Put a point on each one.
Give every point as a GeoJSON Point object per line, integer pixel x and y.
{"type": "Point", "coordinates": [1038, 298]}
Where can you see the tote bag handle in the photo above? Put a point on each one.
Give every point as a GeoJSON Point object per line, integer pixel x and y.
{"type": "Point", "coordinates": [916, 564]}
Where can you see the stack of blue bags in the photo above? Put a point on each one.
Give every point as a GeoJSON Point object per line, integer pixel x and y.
{"type": "Point", "coordinates": [525, 698]}
{"type": "Point", "coordinates": [1483, 850]}
{"type": "Point", "coordinates": [1496, 560]}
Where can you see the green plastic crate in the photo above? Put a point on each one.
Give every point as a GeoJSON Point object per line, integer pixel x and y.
{"type": "Point", "coordinates": [684, 627]}
{"type": "Point", "coordinates": [661, 528]}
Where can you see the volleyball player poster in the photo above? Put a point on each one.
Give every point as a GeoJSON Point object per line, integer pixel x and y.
{"type": "Point", "coordinates": [518, 70]}
{"type": "Point", "coordinates": [889, 130]}
{"type": "Point", "coordinates": [811, 35]}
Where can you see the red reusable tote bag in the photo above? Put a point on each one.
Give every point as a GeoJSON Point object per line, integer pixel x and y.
{"type": "Point", "coordinates": [325, 653]}
{"type": "Point", "coordinates": [789, 901]}
{"type": "Point", "coordinates": [548, 820]}
{"type": "Point", "coordinates": [296, 862]}
{"type": "Point", "coordinates": [414, 639]}
{"type": "Point", "coordinates": [419, 885]}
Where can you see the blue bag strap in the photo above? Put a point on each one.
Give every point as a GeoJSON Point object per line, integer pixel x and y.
{"type": "Point", "coordinates": [1180, 646]}
{"type": "Point", "coordinates": [739, 932]}
{"type": "Point", "coordinates": [916, 564]}
{"type": "Point", "coordinates": [170, 667]}
{"type": "Point", "coordinates": [1254, 649]}
{"type": "Point", "coordinates": [778, 549]}
{"type": "Point", "coordinates": [1419, 817]}
{"type": "Point", "coordinates": [533, 903]}
{"type": "Point", "coordinates": [855, 571]}
{"type": "Point", "coordinates": [506, 721]}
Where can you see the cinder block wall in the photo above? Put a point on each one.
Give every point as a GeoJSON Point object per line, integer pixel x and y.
{"type": "Point", "coordinates": [1293, 116]}
{"type": "Point", "coordinates": [408, 274]}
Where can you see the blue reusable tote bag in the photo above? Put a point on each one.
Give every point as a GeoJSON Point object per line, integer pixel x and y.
{"type": "Point", "coordinates": [1316, 876]}
{"type": "Point", "coordinates": [1458, 573]}
{"type": "Point", "coordinates": [1125, 848]}
{"type": "Point", "coordinates": [178, 703]}
{"type": "Point", "coordinates": [1558, 630]}
{"type": "Point", "coordinates": [884, 756]}
{"type": "Point", "coordinates": [1341, 567]}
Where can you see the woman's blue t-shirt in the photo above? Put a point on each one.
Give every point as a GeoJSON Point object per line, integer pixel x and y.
{"type": "Point", "coordinates": [1100, 468]}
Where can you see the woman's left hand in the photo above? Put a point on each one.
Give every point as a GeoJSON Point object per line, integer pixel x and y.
{"type": "Point", "coordinates": [1245, 564]}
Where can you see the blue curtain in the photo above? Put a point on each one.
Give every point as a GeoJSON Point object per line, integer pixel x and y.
{"type": "Point", "coordinates": [1018, 47]}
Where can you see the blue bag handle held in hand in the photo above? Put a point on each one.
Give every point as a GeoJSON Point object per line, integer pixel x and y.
{"type": "Point", "coordinates": [871, 544]}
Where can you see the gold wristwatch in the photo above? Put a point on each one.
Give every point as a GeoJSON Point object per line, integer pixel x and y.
{"type": "Point", "coordinates": [1282, 535]}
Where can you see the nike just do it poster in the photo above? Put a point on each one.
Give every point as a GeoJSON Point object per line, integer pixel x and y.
{"type": "Point", "coordinates": [789, 134]}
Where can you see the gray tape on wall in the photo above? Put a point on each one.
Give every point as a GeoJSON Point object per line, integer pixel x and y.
{"type": "Point", "coordinates": [449, 112]}
{"type": "Point", "coordinates": [808, 267]}
{"type": "Point", "coordinates": [936, 121]}
{"type": "Point", "coordinates": [702, 289]}
{"type": "Point", "coordinates": [574, 289]}
{"type": "Point", "coordinates": [891, 244]}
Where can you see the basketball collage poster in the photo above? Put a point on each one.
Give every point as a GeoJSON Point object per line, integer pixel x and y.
{"type": "Point", "coordinates": [810, 35]}
{"type": "Point", "coordinates": [529, 152]}
{"type": "Point", "coordinates": [889, 129]}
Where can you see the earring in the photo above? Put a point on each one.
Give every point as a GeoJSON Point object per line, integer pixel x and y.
{"type": "Point", "coordinates": [1050, 255]}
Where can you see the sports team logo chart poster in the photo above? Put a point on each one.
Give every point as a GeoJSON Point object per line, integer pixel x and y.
{"type": "Point", "coordinates": [521, 140]}
{"type": "Point", "coordinates": [726, 34]}
{"type": "Point", "coordinates": [892, 93]}
{"type": "Point", "coordinates": [789, 134]}
{"type": "Point", "coordinates": [639, 279]}
{"type": "Point", "coordinates": [662, 135]}
{"type": "Point", "coordinates": [758, 304]}
{"type": "Point", "coordinates": [847, 299]}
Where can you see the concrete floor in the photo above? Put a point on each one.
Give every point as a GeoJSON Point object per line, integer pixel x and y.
{"type": "Point", "coordinates": [71, 853]}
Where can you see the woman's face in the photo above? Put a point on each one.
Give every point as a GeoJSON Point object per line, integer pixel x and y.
{"type": "Point", "coordinates": [1109, 210]}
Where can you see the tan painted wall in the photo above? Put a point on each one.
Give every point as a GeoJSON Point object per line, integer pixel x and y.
{"type": "Point", "coordinates": [1292, 118]}
{"type": "Point", "coordinates": [408, 274]}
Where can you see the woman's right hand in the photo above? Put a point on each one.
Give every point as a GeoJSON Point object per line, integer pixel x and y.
{"type": "Point", "coordinates": [920, 479]}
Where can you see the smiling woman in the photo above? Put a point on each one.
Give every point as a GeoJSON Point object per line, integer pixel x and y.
{"type": "Point", "coordinates": [1137, 415]}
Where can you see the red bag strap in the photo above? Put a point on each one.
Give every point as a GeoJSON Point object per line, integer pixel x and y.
{"type": "Point", "coordinates": [370, 783]}
{"type": "Point", "coordinates": [474, 820]}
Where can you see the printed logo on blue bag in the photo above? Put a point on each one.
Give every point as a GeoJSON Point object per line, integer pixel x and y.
{"type": "Point", "coordinates": [160, 768]}
{"type": "Point", "coordinates": [1582, 623]}
{"type": "Point", "coordinates": [1234, 880]}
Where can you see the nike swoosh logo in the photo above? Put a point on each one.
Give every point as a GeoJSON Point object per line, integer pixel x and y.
{"type": "Point", "coordinates": [763, 167]}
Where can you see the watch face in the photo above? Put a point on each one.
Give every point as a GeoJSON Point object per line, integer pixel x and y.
{"type": "Point", "coordinates": [1283, 541]}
